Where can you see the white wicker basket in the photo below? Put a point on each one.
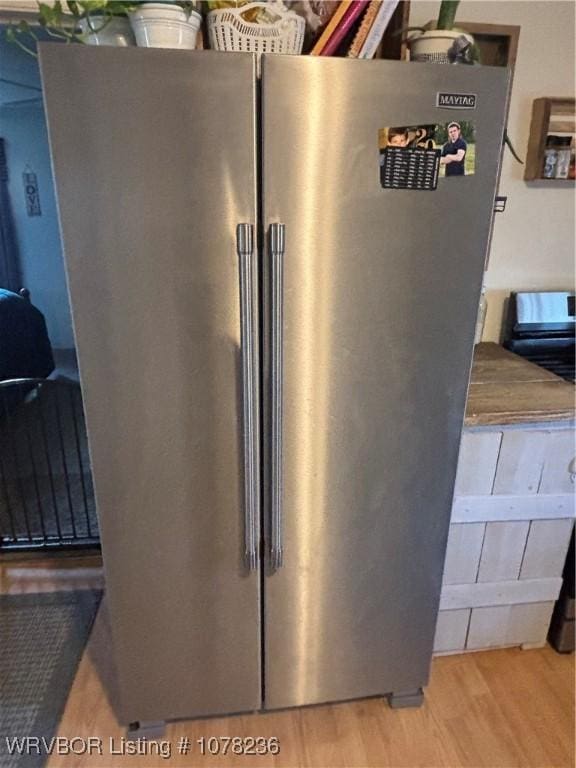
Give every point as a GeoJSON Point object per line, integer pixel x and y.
{"type": "Point", "coordinates": [228, 30]}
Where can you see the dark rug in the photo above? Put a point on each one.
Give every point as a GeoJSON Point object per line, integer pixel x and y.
{"type": "Point", "coordinates": [42, 637]}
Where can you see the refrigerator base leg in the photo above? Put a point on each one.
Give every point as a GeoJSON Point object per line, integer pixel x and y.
{"type": "Point", "coordinates": [400, 699]}
{"type": "Point", "coordinates": [151, 729]}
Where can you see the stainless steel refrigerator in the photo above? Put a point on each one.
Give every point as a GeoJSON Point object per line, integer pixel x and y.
{"type": "Point", "coordinates": [274, 352]}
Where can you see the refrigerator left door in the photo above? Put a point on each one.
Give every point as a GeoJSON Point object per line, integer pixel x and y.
{"type": "Point", "coordinates": [154, 159]}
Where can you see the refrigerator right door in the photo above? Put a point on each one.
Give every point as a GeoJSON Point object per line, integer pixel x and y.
{"type": "Point", "coordinates": [370, 306]}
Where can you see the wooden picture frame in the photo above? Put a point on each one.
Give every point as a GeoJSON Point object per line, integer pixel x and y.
{"type": "Point", "coordinates": [498, 46]}
{"type": "Point", "coordinates": [498, 43]}
{"type": "Point", "coordinates": [550, 115]}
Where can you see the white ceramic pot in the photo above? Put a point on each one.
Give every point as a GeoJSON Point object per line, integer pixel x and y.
{"type": "Point", "coordinates": [115, 31]}
{"type": "Point", "coordinates": [161, 25]}
{"type": "Point", "coordinates": [433, 45]}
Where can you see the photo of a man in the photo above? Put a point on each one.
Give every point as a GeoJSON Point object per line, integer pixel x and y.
{"type": "Point", "coordinates": [454, 151]}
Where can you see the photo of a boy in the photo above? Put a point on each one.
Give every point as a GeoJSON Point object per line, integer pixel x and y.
{"type": "Point", "coordinates": [398, 137]}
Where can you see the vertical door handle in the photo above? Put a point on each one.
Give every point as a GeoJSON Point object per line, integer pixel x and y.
{"type": "Point", "coordinates": [277, 239]}
{"type": "Point", "coordinates": [250, 407]}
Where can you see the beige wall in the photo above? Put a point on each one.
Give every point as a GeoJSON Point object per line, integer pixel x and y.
{"type": "Point", "coordinates": [533, 242]}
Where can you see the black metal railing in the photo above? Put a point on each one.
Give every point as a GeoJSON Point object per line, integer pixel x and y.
{"type": "Point", "coordinates": [46, 491]}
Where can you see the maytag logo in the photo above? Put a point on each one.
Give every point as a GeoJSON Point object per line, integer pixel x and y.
{"type": "Point", "coordinates": [456, 100]}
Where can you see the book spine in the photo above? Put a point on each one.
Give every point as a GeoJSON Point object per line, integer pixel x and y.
{"type": "Point", "coordinates": [364, 28]}
{"type": "Point", "coordinates": [344, 27]}
{"type": "Point", "coordinates": [376, 33]}
{"type": "Point", "coordinates": [330, 27]}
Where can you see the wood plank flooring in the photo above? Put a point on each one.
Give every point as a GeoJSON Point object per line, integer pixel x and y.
{"type": "Point", "coordinates": [50, 574]}
{"type": "Point", "coordinates": [497, 709]}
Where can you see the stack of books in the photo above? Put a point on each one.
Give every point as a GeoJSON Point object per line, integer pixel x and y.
{"type": "Point", "coordinates": [368, 18]}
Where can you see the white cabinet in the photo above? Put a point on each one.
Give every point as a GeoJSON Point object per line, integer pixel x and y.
{"type": "Point", "coordinates": [503, 550]}
{"type": "Point", "coordinates": [463, 553]}
{"type": "Point", "coordinates": [512, 519]}
{"type": "Point", "coordinates": [545, 548]}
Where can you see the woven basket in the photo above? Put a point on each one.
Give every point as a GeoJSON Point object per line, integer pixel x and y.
{"type": "Point", "coordinates": [229, 31]}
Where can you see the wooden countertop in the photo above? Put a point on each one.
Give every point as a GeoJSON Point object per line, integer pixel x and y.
{"type": "Point", "coordinates": [507, 389]}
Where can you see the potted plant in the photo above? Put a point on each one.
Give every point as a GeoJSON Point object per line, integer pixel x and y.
{"type": "Point", "coordinates": [442, 42]}
{"type": "Point", "coordinates": [165, 24]}
{"type": "Point", "coordinates": [111, 22]}
{"type": "Point", "coordinates": [105, 22]}
{"type": "Point", "coordinates": [95, 22]}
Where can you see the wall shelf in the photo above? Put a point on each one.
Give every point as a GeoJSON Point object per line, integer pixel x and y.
{"type": "Point", "coordinates": [550, 116]}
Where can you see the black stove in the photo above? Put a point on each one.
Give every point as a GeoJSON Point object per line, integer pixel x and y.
{"type": "Point", "coordinates": [541, 326]}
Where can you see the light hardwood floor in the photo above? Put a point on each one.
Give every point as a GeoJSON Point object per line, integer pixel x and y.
{"type": "Point", "coordinates": [496, 709]}
{"type": "Point", "coordinates": [42, 574]}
